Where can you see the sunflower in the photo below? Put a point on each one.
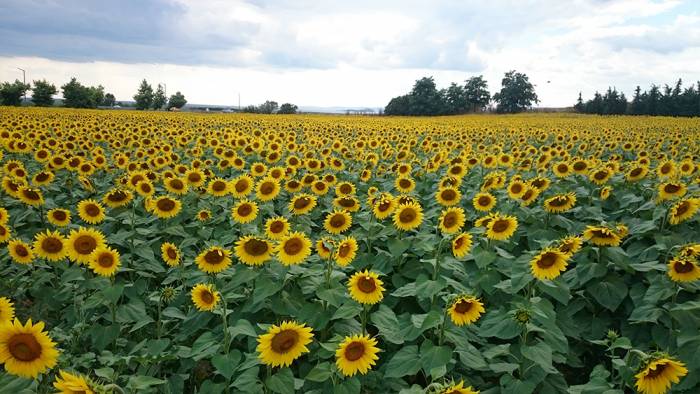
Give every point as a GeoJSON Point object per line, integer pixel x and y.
{"type": "Point", "coordinates": [68, 383]}
{"type": "Point", "coordinates": [560, 203]}
{"type": "Point", "coordinates": [50, 245]}
{"type": "Point", "coordinates": [244, 211]}
{"type": "Point", "coordinates": [91, 211]}
{"type": "Point", "coordinates": [458, 388]}
{"type": "Point", "coordinates": [276, 228]}
{"type": "Point", "coordinates": [165, 207]}
{"type": "Point", "coordinates": [214, 260]}
{"type": "Point", "coordinates": [636, 173]}
{"type": "Point", "coordinates": [82, 242]}
{"type": "Point", "coordinates": [242, 186]}
{"type": "Point", "coordinates": [283, 344]}
{"type": "Point", "coordinates": [404, 184]}
{"type": "Point", "coordinates": [383, 206]}
{"type": "Point", "coordinates": [501, 227]}
{"type": "Point", "coordinates": [451, 220]}
{"type": "Point", "coordinates": [203, 215]}
{"type": "Point", "coordinates": [337, 222]}
{"type": "Point", "coordinates": [562, 169]}
{"type": "Point", "coordinates": [366, 287]}
{"type": "Point", "coordinates": [465, 310]}
{"type": "Point", "coordinates": [600, 176]}
{"type": "Point", "coordinates": [357, 353]}
{"type": "Point", "coordinates": [671, 190]}
{"type": "Point", "coordinates": [484, 201]}
{"type": "Point", "coordinates": [145, 188]}
{"type": "Point", "coordinates": [601, 236]}
{"type": "Point", "coordinates": [58, 217]}
{"type": "Point", "coordinates": [20, 252]}
{"type": "Point", "coordinates": [448, 196]}
{"type": "Point", "coordinates": [267, 189]}
{"type": "Point", "coordinates": [461, 245]}
{"type": "Point", "coordinates": [252, 250]}
{"type": "Point", "coordinates": [549, 263]}
{"type": "Point", "coordinates": [302, 204]}
{"type": "Point", "coordinates": [345, 251]}
{"type": "Point", "coordinates": [657, 375]}
{"type": "Point", "coordinates": [516, 189]}
{"type": "Point", "coordinates": [683, 270]}
{"type": "Point", "coordinates": [195, 177]}
{"type": "Point", "coordinates": [204, 297]}
{"type": "Point", "coordinates": [570, 245]}
{"type": "Point", "coordinates": [30, 196]}
{"type": "Point", "coordinates": [218, 187]}
{"type": "Point", "coordinates": [683, 210]}
{"type": "Point", "coordinates": [5, 233]}
{"type": "Point", "coordinates": [348, 203]}
{"type": "Point", "coordinates": [324, 248]}
{"type": "Point", "coordinates": [294, 248]}
{"type": "Point", "coordinates": [344, 189]}
{"type": "Point", "coordinates": [4, 216]}
{"type": "Point", "coordinates": [170, 254]}
{"type": "Point", "coordinates": [104, 261]}
{"type": "Point", "coordinates": [408, 216]}
{"type": "Point", "coordinates": [116, 198]}
{"type": "Point", "coordinates": [176, 185]}
{"type": "Point", "coordinates": [26, 350]}
{"type": "Point", "coordinates": [7, 310]}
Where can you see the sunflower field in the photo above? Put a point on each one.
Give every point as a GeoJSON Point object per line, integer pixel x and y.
{"type": "Point", "coordinates": [211, 253]}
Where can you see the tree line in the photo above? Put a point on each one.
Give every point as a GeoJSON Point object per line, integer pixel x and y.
{"type": "Point", "coordinates": [517, 94]}
{"type": "Point", "coordinates": [666, 101]}
{"type": "Point", "coordinates": [77, 95]}
{"type": "Point", "coordinates": [271, 107]}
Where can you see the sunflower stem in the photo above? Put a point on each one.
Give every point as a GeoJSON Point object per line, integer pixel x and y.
{"type": "Point", "coordinates": [113, 388]}
{"type": "Point", "coordinates": [364, 318]}
{"type": "Point", "coordinates": [442, 327]}
{"type": "Point", "coordinates": [224, 316]}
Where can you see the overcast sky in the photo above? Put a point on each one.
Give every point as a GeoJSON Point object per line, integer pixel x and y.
{"type": "Point", "coordinates": [350, 53]}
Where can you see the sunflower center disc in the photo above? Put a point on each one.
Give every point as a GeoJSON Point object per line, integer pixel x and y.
{"type": "Point", "coordinates": [166, 204]}
{"type": "Point", "coordinates": [682, 208]}
{"type": "Point", "coordinates": [214, 257]}
{"type": "Point", "coordinates": [293, 246]}
{"type": "Point", "coordinates": [301, 203]}
{"type": "Point", "coordinates": [547, 260]}
{"type": "Point", "coordinates": [407, 215]}
{"type": "Point", "coordinates": [85, 244]}
{"type": "Point", "coordinates": [366, 284]}
{"type": "Point", "coordinates": [207, 297]}
{"type": "Point", "coordinates": [448, 195]}
{"type": "Point", "coordinates": [92, 210]}
{"type": "Point", "coordinates": [284, 341]}
{"type": "Point", "coordinates": [683, 267]}
{"type": "Point", "coordinates": [255, 247]}
{"type": "Point", "coordinates": [24, 347]}
{"type": "Point", "coordinates": [354, 351]}
{"type": "Point", "coordinates": [463, 306]}
{"type": "Point", "coordinates": [656, 372]}
{"type": "Point", "coordinates": [337, 221]}
{"type": "Point", "coordinates": [276, 227]}
{"type": "Point", "coordinates": [245, 210]}
{"type": "Point", "coordinates": [52, 245]}
{"type": "Point", "coordinates": [171, 253]}
{"type": "Point", "coordinates": [59, 215]}
{"type": "Point", "coordinates": [500, 226]}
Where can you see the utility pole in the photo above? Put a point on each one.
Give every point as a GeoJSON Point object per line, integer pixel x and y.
{"type": "Point", "coordinates": [239, 101]}
{"type": "Point", "coordinates": [24, 81]}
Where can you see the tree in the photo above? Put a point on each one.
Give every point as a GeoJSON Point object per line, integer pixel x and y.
{"type": "Point", "coordinates": [636, 107]}
{"type": "Point", "coordinates": [76, 95]}
{"type": "Point", "coordinates": [144, 96]}
{"type": "Point", "coordinates": [517, 93]}
{"type": "Point", "coordinates": [398, 106]}
{"type": "Point", "coordinates": [476, 91]}
{"type": "Point", "coordinates": [159, 99]}
{"type": "Point", "coordinates": [177, 100]}
{"type": "Point", "coordinates": [579, 106]}
{"type": "Point", "coordinates": [109, 100]}
{"type": "Point", "coordinates": [455, 99]}
{"type": "Point", "coordinates": [425, 99]}
{"type": "Point", "coordinates": [268, 107]}
{"type": "Point", "coordinates": [287, 108]}
{"type": "Point", "coordinates": [11, 93]}
{"type": "Point", "coordinates": [42, 94]}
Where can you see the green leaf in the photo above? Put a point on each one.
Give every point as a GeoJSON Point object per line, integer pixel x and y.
{"type": "Point", "coordinates": [242, 327]}
{"type": "Point", "coordinates": [499, 324]}
{"type": "Point", "coordinates": [540, 354]}
{"type": "Point", "coordinates": [348, 386]}
{"type": "Point", "coordinates": [432, 356]}
{"type": "Point", "coordinates": [385, 320]}
{"type": "Point", "coordinates": [408, 290]}
{"type": "Point", "coordinates": [226, 364]}
{"type": "Point", "coordinates": [281, 382]}
{"type": "Point", "coordinates": [348, 310]}
{"type": "Point", "coordinates": [403, 363]}
{"type": "Point", "coordinates": [398, 246]}
{"type": "Point", "coordinates": [609, 292]}
{"type": "Point", "coordinates": [142, 382]}
{"type": "Point", "coordinates": [320, 373]}
{"type": "Point", "coordinates": [247, 381]}
{"type": "Point", "coordinates": [646, 314]}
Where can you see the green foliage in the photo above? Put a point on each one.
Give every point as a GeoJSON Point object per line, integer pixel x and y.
{"type": "Point", "coordinates": [287, 108]}
{"type": "Point", "coordinates": [177, 100]}
{"type": "Point", "coordinates": [75, 95]}
{"type": "Point", "coordinates": [159, 99]}
{"type": "Point", "coordinates": [11, 93]}
{"type": "Point", "coordinates": [42, 94]}
{"type": "Point", "coordinates": [109, 100]}
{"type": "Point", "coordinates": [425, 99]}
{"type": "Point", "coordinates": [517, 94]}
{"type": "Point", "coordinates": [144, 96]}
